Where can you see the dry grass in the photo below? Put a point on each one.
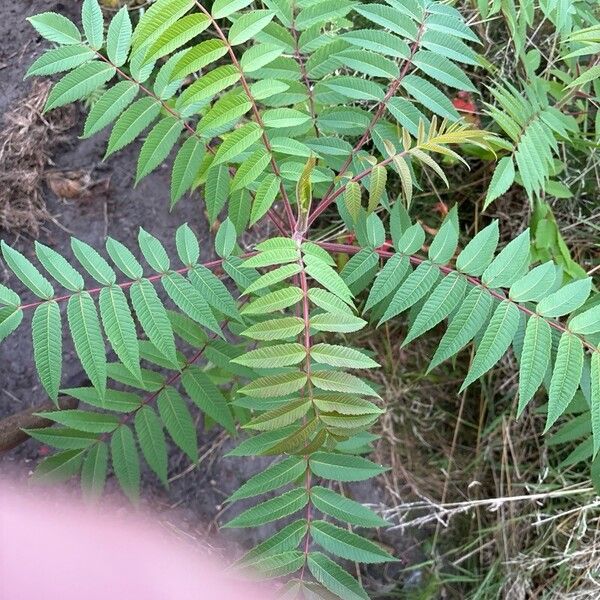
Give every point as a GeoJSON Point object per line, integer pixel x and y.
{"type": "Point", "coordinates": [26, 142]}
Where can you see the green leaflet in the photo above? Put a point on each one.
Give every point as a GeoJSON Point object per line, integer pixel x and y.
{"type": "Point", "coordinates": [322, 273]}
{"type": "Point", "coordinates": [352, 199]}
{"type": "Point", "coordinates": [131, 123]}
{"type": "Point", "coordinates": [479, 252]}
{"type": "Point", "coordinates": [358, 271]}
{"type": "Point", "coordinates": [346, 544]}
{"type": "Point", "coordinates": [586, 322]}
{"type": "Point", "coordinates": [503, 178]}
{"type": "Point", "coordinates": [197, 57]}
{"type": "Point", "coordinates": [224, 8]}
{"type": "Point", "coordinates": [258, 56]}
{"type": "Point", "coordinates": [177, 35]}
{"type": "Point", "coordinates": [93, 263]}
{"type": "Point", "coordinates": [213, 291]}
{"type": "Point", "coordinates": [388, 279]}
{"type": "Point", "coordinates": [59, 268]}
{"type": "Point", "coordinates": [334, 578]}
{"type": "Point", "coordinates": [123, 402]}
{"type": "Point", "coordinates": [150, 353]}
{"type": "Point", "coordinates": [60, 466]}
{"type": "Point", "coordinates": [377, 181]}
{"type": "Point", "coordinates": [148, 429]}
{"type": "Point", "coordinates": [285, 539]}
{"type": "Point", "coordinates": [265, 196]}
{"type": "Point", "coordinates": [430, 97]}
{"type": "Point", "coordinates": [187, 329]}
{"type": "Point", "coordinates": [124, 259]}
{"type": "Point", "coordinates": [275, 329]}
{"type": "Point", "coordinates": [55, 28]}
{"type": "Point", "coordinates": [284, 117]}
{"type": "Point", "coordinates": [109, 106]}
{"type": "Point", "coordinates": [411, 240]}
{"type": "Point", "coordinates": [510, 264]}
{"type": "Point", "coordinates": [207, 396]}
{"type": "Point", "coordinates": [318, 252]}
{"type": "Point", "coordinates": [338, 381]}
{"type": "Point", "coordinates": [565, 377]}
{"type": "Point", "coordinates": [534, 286]}
{"type": "Point", "coordinates": [343, 467]}
{"type": "Point", "coordinates": [275, 385]}
{"type": "Point", "coordinates": [178, 421]}
{"type": "Point", "coordinates": [389, 18]}
{"type": "Point", "coordinates": [83, 420]}
{"type": "Point", "coordinates": [153, 318]}
{"type": "Point", "coordinates": [328, 301]}
{"type": "Point", "coordinates": [119, 327]}
{"type": "Point", "coordinates": [63, 438]}
{"type": "Point", "coordinates": [378, 41]}
{"type": "Point", "coordinates": [248, 25]}
{"type": "Point", "coordinates": [595, 398]}
{"type": "Point", "coordinates": [443, 300]}
{"type": "Point", "coordinates": [321, 12]}
{"type": "Point", "coordinates": [26, 272]}
{"type": "Point", "coordinates": [270, 357]}
{"type": "Point", "coordinates": [60, 59]}
{"type": "Point", "coordinates": [343, 509]}
{"type": "Point", "coordinates": [415, 286]}
{"type": "Point", "coordinates": [125, 461]}
{"type": "Point", "coordinates": [439, 68]}
{"type": "Point", "coordinates": [185, 168]}
{"type": "Point", "coordinates": [535, 357]}
{"type": "Point", "coordinates": [237, 142]}
{"type": "Point", "coordinates": [190, 301]}
{"type": "Point", "coordinates": [260, 443]}
{"type": "Point", "coordinates": [344, 404]}
{"type": "Point", "coordinates": [444, 243]}
{"type": "Point", "coordinates": [158, 18]}
{"type": "Point", "coordinates": [469, 319]}
{"type": "Point", "coordinates": [94, 469]}
{"type": "Point", "coordinates": [565, 300]}
{"type": "Point", "coordinates": [273, 277]}
{"type": "Point", "coordinates": [187, 245]}
{"type": "Point", "coordinates": [150, 382]}
{"type": "Point", "coordinates": [87, 337]}
{"type": "Point", "coordinates": [341, 356]}
{"type": "Point", "coordinates": [79, 83]}
{"type": "Point", "coordinates": [336, 322]}
{"type": "Point", "coordinates": [9, 297]}
{"type": "Point", "coordinates": [157, 146]}
{"type": "Point", "coordinates": [251, 169]}
{"type": "Point", "coordinates": [274, 301]}
{"type": "Point", "coordinates": [225, 239]}
{"type": "Point", "coordinates": [281, 416]}
{"type": "Point", "coordinates": [497, 338]}
{"type": "Point", "coordinates": [273, 477]}
{"type": "Point", "coordinates": [271, 510]}
{"type": "Point", "coordinates": [206, 87]}
{"type": "Point", "coordinates": [118, 38]}
{"type": "Point", "coordinates": [276, 565]}
{"type": "Point", "coordinates": [270, 258]}
{"type": "Point", "coordinates": [47, 346]}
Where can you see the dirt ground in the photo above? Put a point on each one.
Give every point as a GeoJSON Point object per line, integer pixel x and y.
{"type": "Point", "coordinates": [192, 504]}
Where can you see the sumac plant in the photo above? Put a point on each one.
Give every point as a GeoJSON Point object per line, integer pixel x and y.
{"type": "Point", "coordinates": [282, 110]}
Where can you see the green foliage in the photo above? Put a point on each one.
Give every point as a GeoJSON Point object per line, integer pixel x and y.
{"type": "Point", "coordinates": [282, 112]}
